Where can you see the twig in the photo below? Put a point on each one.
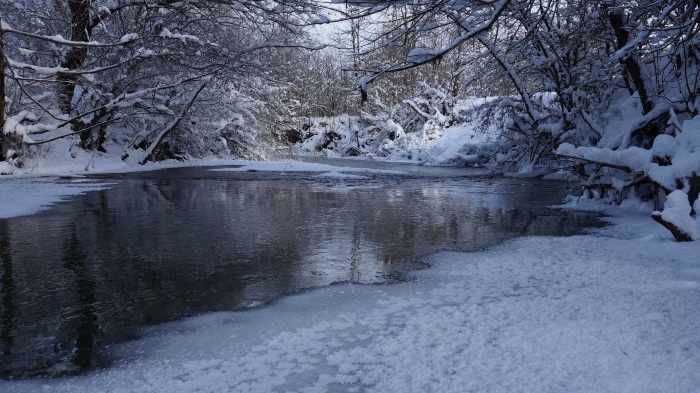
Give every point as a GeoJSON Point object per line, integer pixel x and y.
{"type": "Point", "coordinates": [623, 351]}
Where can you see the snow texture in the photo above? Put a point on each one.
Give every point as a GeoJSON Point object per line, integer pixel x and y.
{"type": "Point", "coordinates": [635, 158]}
{"type": "Point", "coordinates": [665, 146]}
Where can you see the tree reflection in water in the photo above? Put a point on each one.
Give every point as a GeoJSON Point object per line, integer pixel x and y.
{"type": "Point", "coordinates": [9, 309]}
{"type": "Point", "coordinates": [85, 318]}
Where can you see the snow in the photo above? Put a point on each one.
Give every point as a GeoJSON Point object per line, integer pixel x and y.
{"type": "Point", "coordinates": [26, 52]}
{"type": "Point", "coordinates": [436, 143]}
{"type": "Point", "coordinates": [6, 168]}
{"type": "Point", "coordinates": [677, 211]}
{"type": "Point", "coordinates": [297, 166]}
{"type": "Point", "coordinates": [165, 33]}
{"type": "Point", "coordinates": [684, 152]}
{"type": "Point", "coordinates": [128, 37]}
{"type": "Point", "coordinates": [612, 311]}
{"type": "Point", "coordinates": [620, 117]}
{"type": "Point", "coordinates": [320, 19]}
{"type": "Point", "coordinates": [665, 146]}
{"type": "Point", "coordinates": [635, 158]}
{"type": "Point", "coordinates": [28, 196]}
{"type": "Point", "coordinates": [447, 146]}
{"type": "Point", "coordinates": [340, 175]}
{"type": "Point", "coordinates": [421, 55]}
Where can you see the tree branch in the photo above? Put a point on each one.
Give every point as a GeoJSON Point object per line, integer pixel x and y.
{"type": "Point", "coordinates": [174, 123]}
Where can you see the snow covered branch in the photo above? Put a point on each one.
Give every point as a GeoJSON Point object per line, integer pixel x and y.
{"type": "Point", "coordinates": [59, 40]}
{"type": "Point", "coordinates": [676, 217]}
{"type": "Point", "coordinates": [418, 57]}
{"type": "Point", "coordinates": [148, 155]}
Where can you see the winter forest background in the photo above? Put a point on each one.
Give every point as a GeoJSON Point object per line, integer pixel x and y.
{"type": "Point", "coordinates": [606, 90]}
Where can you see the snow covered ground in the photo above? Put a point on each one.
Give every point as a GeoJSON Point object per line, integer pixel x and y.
{"type": "Point", "coordinates": [614, 311]}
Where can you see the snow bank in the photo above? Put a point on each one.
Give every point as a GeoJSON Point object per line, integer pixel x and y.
{"type": "Point", "coordinates": [22, 197]}
{"type": "Point", "coordinates": [614, 311]}
{"type": "Point", "coordinates": [340, 175]}
{"type": "Point", "coordinates": [297, 166]}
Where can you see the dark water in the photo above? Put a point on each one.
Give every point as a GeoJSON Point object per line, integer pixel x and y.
{"type": "Point", "coordinates": [165, 245]}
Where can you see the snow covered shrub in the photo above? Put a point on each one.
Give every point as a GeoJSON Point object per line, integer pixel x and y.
{"type": "Point", "coordinates": [676, 217]}
{"type": "Point", "coordinates": [677, 159]}
{"type": "Point", "coordinates": [9, 144]}
{"type": "Point", "coordinates": [330, 136]}
{"type": "Point", "coordinates": [468, 134]}
{"type": "Point", "coordinates": [435, 107]}
{"type": "Point", "coordinates": [669, 170]}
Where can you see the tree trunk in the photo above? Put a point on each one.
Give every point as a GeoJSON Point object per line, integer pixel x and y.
{"type": "Point", "coordinates": [694, 192]}
{"type": "Point", "coordinates": [87, 142]}
{"type": "Point", "coordinates": [3, 137]}
{"type": "Point", "coordinates": [630, 63]}
{"type": "Point", "coordinates": [80, 31]}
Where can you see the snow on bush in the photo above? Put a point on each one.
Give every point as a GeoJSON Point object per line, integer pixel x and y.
{"type": "Point", "coordinates": [671, 163]}
{"type": "Point", "coordinates": [460, 133]}
{"type": "Point", "coordinates": [683, 152]}
{"type": "Point", "coordinates": [6, 168]}
{"type": "Point", "coordinates": [677, 212]}
{"type": "Point", "coordinates": [665, 147]}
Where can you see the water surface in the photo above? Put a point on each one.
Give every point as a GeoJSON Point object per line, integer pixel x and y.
{"type": "Point", "coordinates": [164, 245]}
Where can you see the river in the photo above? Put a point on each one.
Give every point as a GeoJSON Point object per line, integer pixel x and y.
{"type": "Point", "coordinates": [164, 245]}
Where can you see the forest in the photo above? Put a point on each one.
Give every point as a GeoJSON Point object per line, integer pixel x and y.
{"type": "Point", "coordinates": [604, 90]}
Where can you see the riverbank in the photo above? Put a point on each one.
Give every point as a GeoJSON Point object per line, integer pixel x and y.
{"type": "Point", "coordinates": [615, 311]}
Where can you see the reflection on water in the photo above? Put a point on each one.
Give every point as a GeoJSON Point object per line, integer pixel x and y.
{"type": "Point", "coordinates": [91, 271]}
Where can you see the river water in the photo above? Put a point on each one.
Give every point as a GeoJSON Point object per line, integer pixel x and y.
{"type": "Point", "coordinates": [160, 246]}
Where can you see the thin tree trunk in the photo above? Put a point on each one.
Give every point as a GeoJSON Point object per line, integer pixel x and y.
{"type": "Point", "coordinates": [630, 63]}
{"type": "Point", "coordinates": [80, 31]}
{"type": "Point", "coordinates": [3, 138]}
